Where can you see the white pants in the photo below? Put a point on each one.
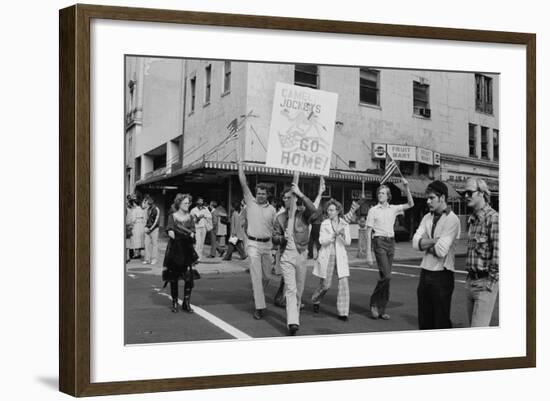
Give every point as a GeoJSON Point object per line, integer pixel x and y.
{"type": "Point", "coordinates": [260, 269]}
{"type": "Point", "coordinates": [152, 245]}
{"type": "Point", "coordinates": [200, 236]}
{"type": "Point", "coordinates": [293, 266]}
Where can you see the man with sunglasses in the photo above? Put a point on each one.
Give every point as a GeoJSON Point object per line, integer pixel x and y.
{"type": "Point", "coordinates": [482, 260]}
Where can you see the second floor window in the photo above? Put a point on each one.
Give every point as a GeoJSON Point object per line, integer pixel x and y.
{"type": "Point", "coordinates": [208, 83]}
{"type": "Point", "coordinates": [484, 94]}
{"type": "Point", "coordinates": [306, 75]}
{"type": "Point", "coordinates": [227, 77]}
{"type": "Point", "coordinates": [369, 86]}
{"type": "Point", "coordinates": [193, 85]}
{"type": "Point", "coordinates": [421, 99]}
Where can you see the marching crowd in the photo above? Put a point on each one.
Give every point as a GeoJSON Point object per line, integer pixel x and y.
{"type": "Point", "coordinates": [257, 226]}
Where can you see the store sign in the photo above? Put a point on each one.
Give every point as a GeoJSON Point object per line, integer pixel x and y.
{"type": "Point", "coordinates": [378, 150]}
{"type": "Point", "coordinates": [425, 156]}
{"type": "Point", "coordinates": [302, 129]}
{"type": "Point", "coordinates": [401, 152]}
{"type": "Point", "coordinates": [406, 153]}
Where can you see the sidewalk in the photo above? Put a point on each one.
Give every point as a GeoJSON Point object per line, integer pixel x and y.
{"type": "Point", "coordinates": [403, 251]}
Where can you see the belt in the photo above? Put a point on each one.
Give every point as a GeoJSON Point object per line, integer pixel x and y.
{"type": "Point", "coordinates": [383, 236]}
{"type": "Point", "coordinates": [259, 239]}
{"type": "Point", "coordinates": [476, 275]}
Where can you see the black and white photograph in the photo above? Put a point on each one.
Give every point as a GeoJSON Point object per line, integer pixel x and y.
{"type": "Point", "coordinates": [270, 199]}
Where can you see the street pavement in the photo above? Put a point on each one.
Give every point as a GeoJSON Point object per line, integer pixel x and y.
{"type": "Point", "coordinates": [223, 303]}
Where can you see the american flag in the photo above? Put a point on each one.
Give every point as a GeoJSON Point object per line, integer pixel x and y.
{"type": "Point", "coordinates": [391, 166]}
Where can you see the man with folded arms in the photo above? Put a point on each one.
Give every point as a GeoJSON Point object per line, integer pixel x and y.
{"type": "Point", "coordinates": [436, 237]}
{"type": "Point", "coordinates": [259, 216]}
{"type": "Point", "coordinates": [482, 261]}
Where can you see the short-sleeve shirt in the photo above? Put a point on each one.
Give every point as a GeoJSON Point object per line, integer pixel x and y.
{"type": "Point", "coordinates": [382, 218]}
{"type": "Point", "coordinates": [259, 218]}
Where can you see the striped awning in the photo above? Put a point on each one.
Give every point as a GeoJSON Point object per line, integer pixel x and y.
{"type": "Point", "coordinates": [258, 168]}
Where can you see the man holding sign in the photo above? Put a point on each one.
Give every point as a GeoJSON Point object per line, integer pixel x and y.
{"type": "Point", "coordinates": [291, 233]}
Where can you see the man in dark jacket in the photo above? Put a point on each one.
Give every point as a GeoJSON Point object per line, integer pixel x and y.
{"type": "Point", "coordinates": [291, 233]}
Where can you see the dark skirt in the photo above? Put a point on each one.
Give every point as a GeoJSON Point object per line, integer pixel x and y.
{"type": "Point", "coordinates": [179, 259]}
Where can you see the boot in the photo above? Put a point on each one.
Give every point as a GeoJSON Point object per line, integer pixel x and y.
{"type": "Point", "coordinates": [186, 306]}
{"type": "Point", "coordinates": [175, 306]}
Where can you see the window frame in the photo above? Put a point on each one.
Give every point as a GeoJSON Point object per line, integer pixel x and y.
{"type": "Point", "coordinates": [305, 84]}
{"type": "Point", "coordinates": [377, 88]}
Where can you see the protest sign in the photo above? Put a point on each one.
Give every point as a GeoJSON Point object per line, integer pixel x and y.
{"type": "Point", "coordinates": [302, 129]}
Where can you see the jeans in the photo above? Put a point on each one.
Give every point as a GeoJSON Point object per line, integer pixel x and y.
{"type": "Point", "coordinates": [260, 269]}
{"type": "Point", "coordinates": [434, 292]}
{"type": "Point", "coordinates": [293, 266]}
{"type": "Point", "coordinates": [313, 240]}
{"type": "Point", "coordinates": [231, 248]}
{"type": "Point", "coordinates": [384, 249]}
{"type": "Point", "coordinates": [480, 301]}
{"type": "Point", "coordinates": [152, 245]}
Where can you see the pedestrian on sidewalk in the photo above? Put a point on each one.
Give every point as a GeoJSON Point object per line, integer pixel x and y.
{"type": "Point", "coordinates": [237, 233]}
{"type": "Point", "coordinates": [216, 216]}
{"type": "Point", "coordinates": [137, 219]}
{"type": "Point", "coordinates": [180, 252]}
{"type": "Point", "coordinates": [436, 237]}
{"type": "Point", "coordinates": [482, 260]}
{"type": "Point", "coordinates": [334, 236]}
{"type": "Point", "coordinates": [259, 222]}
{"type": "Point", "coordinates": [203, 224]}
{"type": "Point", "coordinates": [151, 230]}
{"type": "Point", "coordinates": [291, 233]}
{"type": "Point", "coordinates": [380, 223]}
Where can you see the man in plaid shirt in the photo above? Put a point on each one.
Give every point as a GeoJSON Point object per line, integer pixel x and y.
{"type": "Point", "coordinates": [483, 252]}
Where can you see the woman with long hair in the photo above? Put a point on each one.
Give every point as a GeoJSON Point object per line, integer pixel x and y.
{"type": "Point", "coordinates": [334, 236]}
{"type": "Point", "coordinates": [180, 253]}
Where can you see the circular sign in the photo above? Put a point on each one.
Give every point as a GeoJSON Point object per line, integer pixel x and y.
{"type": "Point", "coordinates": [379, 151]}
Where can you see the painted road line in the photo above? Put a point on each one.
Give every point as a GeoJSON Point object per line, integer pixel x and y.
{"type": "Point", "coordinates": [216, 321]}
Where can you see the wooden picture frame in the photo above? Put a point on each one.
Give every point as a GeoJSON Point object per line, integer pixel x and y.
{"type": "Point", "coordinates": [75, 200]}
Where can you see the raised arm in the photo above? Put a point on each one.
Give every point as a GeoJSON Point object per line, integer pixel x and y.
{"type": "Point", "coordinates": [247, 194]}
{"type": "Point", "coordinates": [410, 201]}
{"type": "Point", "coordinates": [322, 189]}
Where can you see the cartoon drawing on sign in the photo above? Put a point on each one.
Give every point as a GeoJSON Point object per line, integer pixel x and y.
{"type": "Point", "coordinates": [301, 128]}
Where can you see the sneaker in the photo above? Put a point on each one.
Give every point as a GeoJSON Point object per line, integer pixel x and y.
{"type": "Point", "coordinates": [374, 312]}
{"type": "Point", "coordinates": [258, 314]}
{"type": "Point", "coordinates": [385, 316]}
{"type": "Point", "coordinates": [292, 329]}
{"type": "Point", "coordinates": [343, 318]}
{"type": "Point", "coordinates": [316, 308]}
{"type": "Point", "coordinates": [145, 262]}
{"type": "Point", "coordinates": [154, 262]}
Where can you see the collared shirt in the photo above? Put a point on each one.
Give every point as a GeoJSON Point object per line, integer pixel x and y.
{"type": "Point", "coordinates": [201, 212]}
{"type": "Point", "coordinates": [259, 218]}
{"type": "Point", "coordinates": [446, 230]}
{"type": "Point", "coordinates": [483, 238]}
{"type": "Point", "coordinates": [382, 218]}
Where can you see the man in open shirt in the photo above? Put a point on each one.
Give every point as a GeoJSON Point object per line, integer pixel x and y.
{"type": "Point", "coordinates": [436, 236]}
{"type": "Point", "coordinates": [482, 260]}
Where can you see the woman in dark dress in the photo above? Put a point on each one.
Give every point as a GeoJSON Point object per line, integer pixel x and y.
{"type": "Point", "coordinates": [180, 253]}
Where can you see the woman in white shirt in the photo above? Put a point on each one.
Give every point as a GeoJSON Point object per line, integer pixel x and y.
{"type": "Point", "coordinates": [334, 236]}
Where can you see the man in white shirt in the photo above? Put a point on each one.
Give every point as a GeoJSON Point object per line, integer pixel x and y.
{"type": "Point", "coordinates": [203, 224]}
{"type": "Point", "coordinates": [380, 222]}
{"type": "Point", "coordinates": [436, 237]}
